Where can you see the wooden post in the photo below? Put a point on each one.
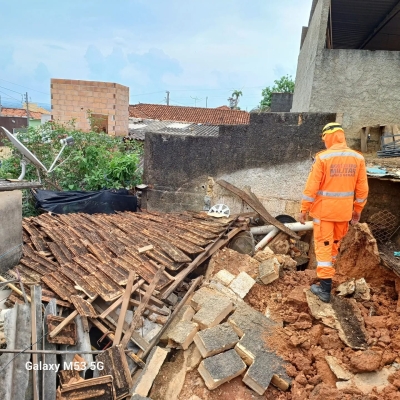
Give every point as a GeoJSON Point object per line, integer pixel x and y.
{"type": "Point", "coordinates": [364, 139]}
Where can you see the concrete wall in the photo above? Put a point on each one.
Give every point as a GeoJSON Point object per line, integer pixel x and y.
{"type": "Point", "coordinates": [361, 84]}
{"type": "Point", "coordinates": [312, 46]}
{"type": "Point", "coordinates": [272, 155]}
{"type": "Point", "coordinates": [10, 229]}
{"type": "Point", "coordinates": [281, 102]}
{"type": "Point", "coordinates": [71, 99]}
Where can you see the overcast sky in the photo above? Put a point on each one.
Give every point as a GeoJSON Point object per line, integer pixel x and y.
{"type": "Point", "coordinates": [194, 49]}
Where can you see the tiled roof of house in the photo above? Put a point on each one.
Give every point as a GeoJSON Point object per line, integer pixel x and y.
{"type": "Point", "coordinates": [138, 127]}
{"type": "Point", "coordinates": [35, 108]}
{"type": "Point", "coordinates": [19, 112]}
{"type": "Point", "coordinates": [197, 115]}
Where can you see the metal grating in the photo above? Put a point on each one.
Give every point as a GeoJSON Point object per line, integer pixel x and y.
{"type": "Point", "coordinates": [383, 225]}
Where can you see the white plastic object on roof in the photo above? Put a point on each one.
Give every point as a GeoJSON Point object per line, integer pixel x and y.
{"type": "Point", "coordinates": [137, 126]}
{"type": "Point", "coordinates": [219, 210]}
{"type": "Point", "coordinates": [178, 125]}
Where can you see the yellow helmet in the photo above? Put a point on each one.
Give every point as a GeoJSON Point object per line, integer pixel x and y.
{"type": "Point", "coordinates": [332, 127]}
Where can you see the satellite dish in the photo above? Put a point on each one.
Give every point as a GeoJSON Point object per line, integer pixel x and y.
{"type": "Point", "coordinates": [23, 150]}
{"type": "Point", "coordinates": [27, 155]}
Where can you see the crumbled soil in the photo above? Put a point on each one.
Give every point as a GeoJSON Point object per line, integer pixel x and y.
{"type": "Point", "coordinates": [304, 342]}
{"type": "Point", "coordinates": [305, 346]}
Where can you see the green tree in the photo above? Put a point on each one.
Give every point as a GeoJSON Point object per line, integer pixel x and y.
{"type": "Point", "coordinates": [234, 99]}
{"type": "Point", "coordinates": [95, 161]}
{"type": "Point", "coordinates": [282, 85]}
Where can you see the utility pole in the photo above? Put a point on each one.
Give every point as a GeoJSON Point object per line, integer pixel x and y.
{"type": "Point", "coordinates": [167, 97]}
{"type": "Point", "coordinates": [0, 105]}
{"type": "Point", "coordinates": [196, 99]}
{"type": "Point", "coordinates": [27, 108]}
{"type": "Point", "coordinates": [206, 101]}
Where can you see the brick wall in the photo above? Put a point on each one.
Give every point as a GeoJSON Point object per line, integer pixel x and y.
{"type": "Point", "coordinates": [71, 99]}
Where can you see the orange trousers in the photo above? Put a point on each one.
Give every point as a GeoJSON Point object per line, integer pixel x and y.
{"type": "Point", "coordinates": [327, 237]}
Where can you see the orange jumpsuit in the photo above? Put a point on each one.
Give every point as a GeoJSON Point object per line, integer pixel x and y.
{"type": "Point", "coordinates": [336, 185]}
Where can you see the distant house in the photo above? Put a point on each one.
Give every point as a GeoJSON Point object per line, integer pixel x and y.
{"type": "Point", "coordinates": [37, 115]}
{"type": "Point", "coordinates": [193, 115]}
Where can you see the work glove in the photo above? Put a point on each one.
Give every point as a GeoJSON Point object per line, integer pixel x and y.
{"type": "Point", "coordinates": [355, 218]}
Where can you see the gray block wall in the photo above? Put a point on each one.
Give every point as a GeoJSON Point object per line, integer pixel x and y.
{"type": "Point", "coordinates": [10, 229]}
{"type": "Point", "coordinates": [361, 84]}
{"type": "Point", "coordinates": [272, 155]}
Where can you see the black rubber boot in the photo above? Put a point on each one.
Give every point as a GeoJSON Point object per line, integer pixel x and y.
{"type": "Point", "coordinates": [323, 290]}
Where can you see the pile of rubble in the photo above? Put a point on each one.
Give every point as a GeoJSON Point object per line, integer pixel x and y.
{"type": "Point", "coordinates": [156, 306]}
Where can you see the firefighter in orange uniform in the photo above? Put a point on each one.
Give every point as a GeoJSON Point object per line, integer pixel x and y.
{"type": "Point", "coordinates": [336, 193]}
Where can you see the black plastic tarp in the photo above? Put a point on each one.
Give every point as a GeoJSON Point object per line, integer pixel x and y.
{"type": "Point", "coordinates": [103, 201]}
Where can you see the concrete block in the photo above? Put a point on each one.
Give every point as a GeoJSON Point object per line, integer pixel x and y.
{"type": "Point", "coordinates": [221, 368]}
{"type": "Point", "coordinates": [184, 313]}
{"type": "Point", "coordinates": [154, 362]}
{"type": "Point", "coordinates": [10, 229]}
{"type": "Point", "coordinates": [242, 284]}
{"type": "Point", "coordinates": [248, 320]}
{"type": "Point", "coordinates": [225, 291]}
{"type": "Point", "coordinates": [215, 340]}
{"type": "Point", "coordinates": [182, 335]}
{"type": "Point", "coordinates": [249, 346]}
{"type": "Point", "coordinates": [259, 375]}
{"type": "Point", "coordinates": [203, 295]}
{"type": "Point", "coordinates": [172, 299]}
{"type": "Point", "coordinates": [213, 311]}
{"type": "Point", "coordinates": [224, 277]}
{"type": "Point", "coordinates": [269, 270]}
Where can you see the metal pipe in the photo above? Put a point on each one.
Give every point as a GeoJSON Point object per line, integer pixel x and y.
{"type": "Point", "coordinates": [294, 226]}
{"type": "Point", "coordinates": [260, 245]}
{"type": "Point", "coordinates": [23, 169]}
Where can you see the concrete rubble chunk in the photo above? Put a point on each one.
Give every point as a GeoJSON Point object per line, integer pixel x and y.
{"type": "Point", "coordinates": [343, 315]}
{"type": "Point", "coordinates": [172, 299]}
{"type": "Point", "coordinates": [139, 397]}
{"type": "Point", "coordinates": [185, 312]}
{"type": "Point", "coordinates": [362, 290]}
{"type": "Point", "coordinates": [259, 375]}
{"type": "Point", "coordinates": [269, 270]}
{"type": "Point", "coordinates": [203, 295]}
{"type": "Point", "coordinates": [213, 311]}
{"type": "Point", "coordinates": [224, 277]}
{"type": "Point", "coordinates": [367, 381]}
{"type": "Point", "coordinates": [154, 362]}
{"type": "Point", "coordinates": [182, 335]}
{"type": "Point", "coordinates": [346, 288]}
{"type": "Point", "coordinates": [215, 340]}
{"type": "Point", "coordinates": [247, 319]}
{"type": "Point", "coordinates": [221, 368]}
{"type": "Point", "coordinates": [339, 370]}
{"type": "Point", "coordinates": [225, 291]}
{"type": "Point", "coordinates": [242, 284]}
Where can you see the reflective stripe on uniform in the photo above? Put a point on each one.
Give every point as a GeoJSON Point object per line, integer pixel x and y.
{"type": "Point", "coordinates": [341, 154]}
{"type": "Point", "coordinates": [360, 200]}
{"type": "Point", "coordinates": [335, 194]}
{"type": "Point", "coordinates": [324, 264]}
{"type": "Point", "coordinates": [308, 198]}
{"type": "Point", "coordinates": [316, 221]}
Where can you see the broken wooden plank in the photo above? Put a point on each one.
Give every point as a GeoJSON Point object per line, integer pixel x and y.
{"type": "Point", "coordinates": [83, 307]}
{"type": "Point", "coordinates": [145, 248]}
{"type": "Point", "coordinates": [96, 389]}
{"type": "Point", "coordinates": [258, 207]}
{"type": "Point", "coordinates": [176, 311]}
{"type": "Point", "coordinates": [67, 334]}
{"type": "Point", "coordinates": [139, 311]}
{"type": "Point", "coordinates": [208, 252]}
{"type": "Point", "coordinates": [124, 307]}
{"type": "Point", "coordinates": [119, 301]}
{"type": "Point", "coordinates": [115, 364]}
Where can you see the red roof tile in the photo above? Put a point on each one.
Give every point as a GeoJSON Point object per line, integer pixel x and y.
{"type": "Point", "coordinates": [196, 115]}
{"type": "Point", "coordinates": [19, 112]}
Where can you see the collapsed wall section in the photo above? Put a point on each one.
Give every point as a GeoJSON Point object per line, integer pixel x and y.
{"type": "Point", "coordinates": [273, 155]}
